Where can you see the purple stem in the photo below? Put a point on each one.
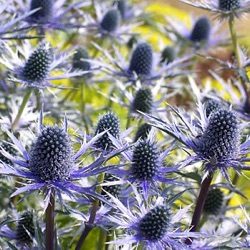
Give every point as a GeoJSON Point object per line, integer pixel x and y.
{"type": "Point", "coordinates": [50, 222]}
{"type": "Point", "coordinates": [89, 225]}
{"type": "Point", "coordinates": [199, 205]}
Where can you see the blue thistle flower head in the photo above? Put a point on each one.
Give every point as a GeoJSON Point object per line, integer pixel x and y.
{"type": "Point", "coordinates": [201, 30]}
{"type": "Point", "coordinates": [79, 63]}
{"type": "Point", "coordinates": [132, 41]}
{"type": "Point", "coordinates": [214, 201]}
{"type": "Point", "coordinates": [111, 20]}
{"type": "Point", "coordinates": [35, 68]}
{"type": "Point", "coordinates": [150, 224]}
{"type": "Point", "coordinates": [246, 106]}
{"type": "Point", "coordinates": [142, 59]}
{"type": "Point", "coordinates": [38, 64]}
{"type": "Point", "coordinates": [212, 105]}
{"type": "Point", "coordinates": [224, 9]}
{"type": "Point", "coordinates": [221, 138]}
{"type": "Point", "coordinates": [114, 190]}
{"type": "Point", "coordinates": [147, 165]}
{"type": "Point", "coordinates": [78, 59]}
{"type": "Point", "coordinates": [145, 162]}
{"type": "Point", "coordinates": [122, 7]}
{"type": "Point", "coordinates": [143, 100]}
{"type": "Point", "coordinates": [52, 155]}
{"type": "Point", "coordinates": [25, 228]}
{"type": "Point", "coordinates": [229, 5]}
{"type": "Point", "coordinates": [108, 122]}
{"type": "Point", "coordinates": [45, 12]}
{"type": "Point", "coordinates": [154, 225]}
{"type": "Point", "coordinates": [142, 132]}
{"type": "Point", "coordinates": [8, 148]}
{"type": "Point", "coordinates": [168, 54]}
{"type": "Point", "coordinates": [52, 164]}
{"type": "Point", "coordinates": [215, 140]}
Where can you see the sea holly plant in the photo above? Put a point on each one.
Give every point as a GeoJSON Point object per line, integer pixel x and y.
{"type": "Point", "coordinates": [124, 125]}
{"type": "Point", "coordinates": [215, 140]}
{"type": "Point", "coordinates": [34, 69]}
{"type": "Point", "coordinates": [51, 165]}
{"type": "Point", "coordinates": [152, 226]}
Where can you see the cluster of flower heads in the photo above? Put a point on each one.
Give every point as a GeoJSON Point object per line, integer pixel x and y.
{"type": "Point", "coordinates": [142, 134]}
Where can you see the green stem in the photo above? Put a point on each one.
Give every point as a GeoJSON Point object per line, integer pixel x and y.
{"type": "Point", "coordinates": [234, 40]}
{"type": "Point", "coordinates": [82, 97]}
{"type": "Point", "coordinates": [38, 100]}
{"type": "Point", "coordinates": [90, 224]}
{"type": "Point", "coordinates": [199, 205]}
{"type": "Point", "coordinates": [20, 111]}
{"type": "Point", "coordinates": [236, 49]}
{"type": "Point", "coordinates": [67, 96]}
{"type": "Point", "coordinates": [128, 120]}
{"type": "Point", "coordinates": [50, 222]}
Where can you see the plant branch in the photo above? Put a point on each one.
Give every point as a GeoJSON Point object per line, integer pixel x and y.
{"type": "Point", "coordinates": [22, 107]}
{"type": "Point", "coordinates": [200, 204]}
{"type": "Point", "coordinates": [50, 222]}
{"type": "Point", "coordinates": [90, 224]}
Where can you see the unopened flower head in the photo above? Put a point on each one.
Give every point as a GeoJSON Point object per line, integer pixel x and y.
{"type": "Point", "coordinates": [110, 123]}
{"type": "Point", "coordinates": [142, 132]}
{"type": "Point", "coordinates": [168, 54]}
{"type": "Point", "coordinates": [142, 59]}
{"type": "Point", "coordinates": [79, 62]}
{"type": "Point", "coordinates": [201, 30]}
{"type": "Point", "coordinates": [107, 22]}
{"type": "Point", "coordinates": [78, 59]}
{"type": "Point", "coordinates": [154, 225]}
{"type": "Point", "coordinates": [111, 20]}
{"type": "Point", "coordinates": [202, 34]}
{"type": "Point", "coordinates": [114, 190]}
{"type": "Point", "coordinates": [122, 7]}
{"type": "Point", "coordinates": [214, 201]}
{"type": "Point", "coordinates": [52, 155]}
{"type": "Point", "coordinates": [143, 100]}
{"type": "Point", "coordinates": [45, 12]}
{"type": "Point", "coordinates": [24, 233]}
{"type": "Point", "coordinates": [130, 11]}
{"type": "Point", "coordinates": [25, 228]}
{"type": "Point", "coordinates": [8, 148]}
